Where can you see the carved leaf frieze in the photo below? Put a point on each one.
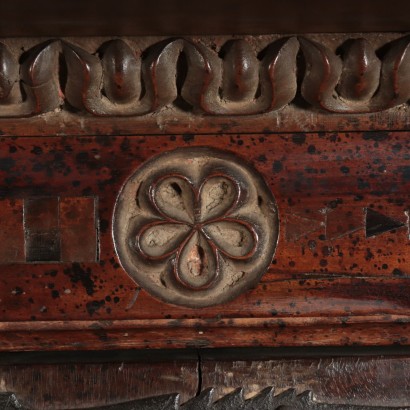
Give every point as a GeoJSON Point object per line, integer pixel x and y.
{"type": "Point", "coordinates": [238, 77]}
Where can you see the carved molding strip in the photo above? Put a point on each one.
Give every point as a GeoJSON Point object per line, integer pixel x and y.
{"type": "Point", "coordinates": [122, 77]}
{"type": "Point", "coordinates": [265, 400]}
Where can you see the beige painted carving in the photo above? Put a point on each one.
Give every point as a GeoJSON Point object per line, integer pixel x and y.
{"type": "Point", "coordinates": [195, 227]}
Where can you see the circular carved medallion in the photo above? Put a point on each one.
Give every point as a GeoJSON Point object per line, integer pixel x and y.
{"type": "Point", "coordinates": [195, 227]}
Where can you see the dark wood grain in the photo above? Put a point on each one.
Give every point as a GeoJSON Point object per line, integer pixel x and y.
{"type": "Point", "coordinates": [180, 17]}
{"type": "Point", "coordinates": [76, 386]}
{"type": "Point", "coordinates": [333, 383]}
{"type": "Point", "coordinates": [42, 236]}
{"type": "Point", "coordinates": [329, 284]}
{"type": "Point", "coordinates": [12, 231]}
{"type": "Point", "coordinates": [345, 381]}
{"type": "Point", "coordinates": [323, 119]}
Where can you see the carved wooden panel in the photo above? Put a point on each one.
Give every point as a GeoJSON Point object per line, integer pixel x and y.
{"type": "Point", "coordinates": [277, 83]}
{"type": "Point", "coordinates": [238, 77]}
{"type": "Point", "coordinates": [116, 382]}
{"type": "Point", "coordinates": [195, 227]}
{"type": "Point", "coordinates": [193, 213]}
{"type": "Point", "coordinates": [214, 191]}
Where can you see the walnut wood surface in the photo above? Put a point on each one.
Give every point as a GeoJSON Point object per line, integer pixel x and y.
{"type": "Point", "coordinates": [80, 115]}
{"type": "Point", "coordinates": [303, 383]}
{"type": "Point", "coordinates": [340, 273]}
{"type": "Point", "coordinates": [181, 17]}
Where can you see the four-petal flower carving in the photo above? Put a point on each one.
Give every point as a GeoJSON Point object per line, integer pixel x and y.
{"type": "Point", "coordinates": [196, 227]}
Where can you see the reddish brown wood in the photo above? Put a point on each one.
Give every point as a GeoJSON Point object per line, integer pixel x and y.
{"type": "Point", "coordinates": [81, 115]}
{"type": "Point", "coordinates": [329, 283]}
{"type": "Point", "coordinates": [12, 231]}
{"type": "Point", "coordinates": [78, 229]}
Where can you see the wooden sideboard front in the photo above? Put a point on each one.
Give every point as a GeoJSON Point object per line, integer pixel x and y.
{"type": "Point", "coordinates": [240, 200]}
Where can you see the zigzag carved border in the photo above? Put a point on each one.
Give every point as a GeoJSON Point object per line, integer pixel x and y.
{"type": "Point", "coordinates": [124, 77]}
{"type": "Point", "coordinates": [266, 400]}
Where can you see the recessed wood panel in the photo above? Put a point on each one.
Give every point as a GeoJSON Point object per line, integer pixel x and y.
{"type": "Point", "coordinates": [78, 227]}
{"type": "Point", "coordinates": [41, 227]}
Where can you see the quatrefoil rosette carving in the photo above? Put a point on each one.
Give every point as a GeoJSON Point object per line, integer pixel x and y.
{"type": "Point", "coordinates": [195, 227]}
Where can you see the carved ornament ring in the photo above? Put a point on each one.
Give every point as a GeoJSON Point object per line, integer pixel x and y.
{"type": "Point", "coordinates": [195, 227]}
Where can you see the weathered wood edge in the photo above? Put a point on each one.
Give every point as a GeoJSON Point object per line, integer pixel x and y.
{"type": "Point", "coordinates": [279, 335]}
{"type": "Point", "coordinates": [265, 400]}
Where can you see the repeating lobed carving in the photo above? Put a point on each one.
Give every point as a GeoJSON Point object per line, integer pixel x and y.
{"type": "Point", "coordinates": [195, 235]}
{"type": "Point", "coordinates": [121, 79]}
{"type": "Point", "coordinates": [265, 400]}
{"type": "Point", "coordinates": [196, 227]}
